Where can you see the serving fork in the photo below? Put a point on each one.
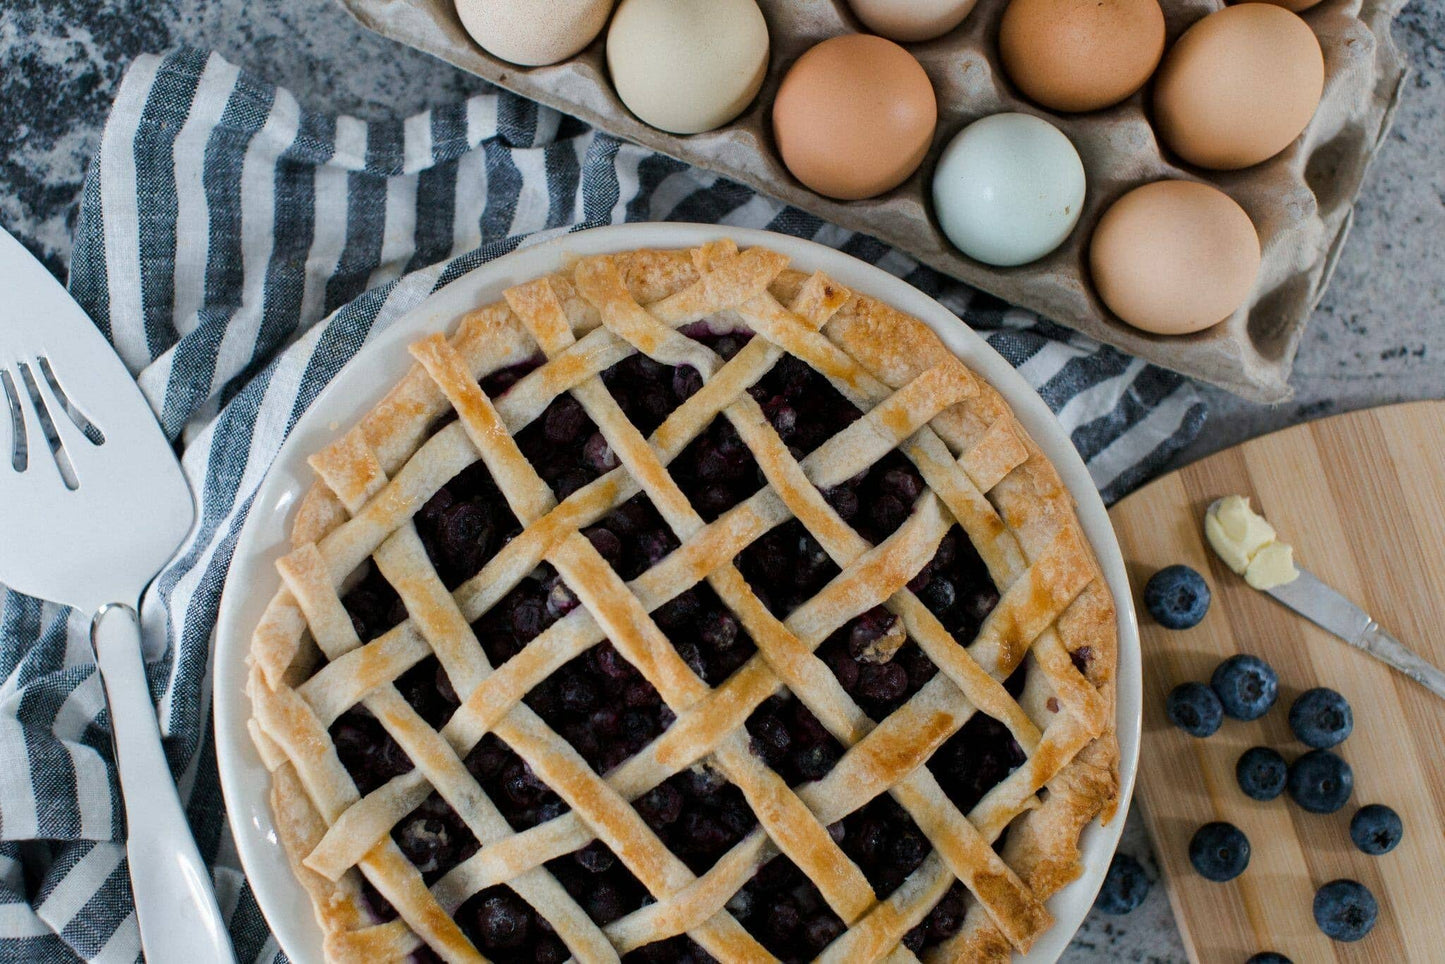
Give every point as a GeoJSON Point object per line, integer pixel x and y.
{"type": "Point", "coordinates": [92, 504]}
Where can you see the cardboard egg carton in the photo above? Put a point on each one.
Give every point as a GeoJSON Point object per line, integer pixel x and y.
{"type": "Point", "coordinates": [1300, 201]}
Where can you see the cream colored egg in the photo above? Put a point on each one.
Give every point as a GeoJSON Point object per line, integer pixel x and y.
{"type": "Point", "coordinates": [533, 33]}
{"type": "Point", "coordinates": [910, 21]}
{"type": "Point", "coordinates": [1174, 257]}
{"type": "Point", "coordinates": [687, 66]}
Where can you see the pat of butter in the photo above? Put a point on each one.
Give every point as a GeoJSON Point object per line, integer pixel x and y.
{"type": "Point", "coordinates": [1247, 543]}
{"type": "Point", "coordinates": [1272, 565]}
{"type": "Point", "coordinates": [1236, 531]}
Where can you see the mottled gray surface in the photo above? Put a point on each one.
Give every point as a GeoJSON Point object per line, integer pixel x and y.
{"type": "Point", "coordinates": [1379, 335]}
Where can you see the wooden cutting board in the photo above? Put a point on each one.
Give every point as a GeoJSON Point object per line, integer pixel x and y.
{"type": "Point", "coordinates": [1362, 499]}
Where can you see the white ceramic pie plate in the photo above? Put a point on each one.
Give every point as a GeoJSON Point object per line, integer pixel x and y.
{"type": "Point", "coordinates": [253, 579]}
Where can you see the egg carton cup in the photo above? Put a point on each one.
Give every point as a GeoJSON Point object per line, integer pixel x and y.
{"type": "Point", "coordinates": [1301, 201]}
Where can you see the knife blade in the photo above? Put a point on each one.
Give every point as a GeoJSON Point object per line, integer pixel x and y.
{"type": "Point", "coordinates": [1332, 612]}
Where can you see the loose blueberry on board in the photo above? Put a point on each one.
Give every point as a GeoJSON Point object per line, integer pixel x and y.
{"type": "Point", "coordinates": [1219, 851]}
{"type": "Point", "coordinates": [1321, 718]}
{"type": "Point", "coordinates": [1320, 781]}
{"type": "Point", "coordinates": [1246, 686]}
{"type": "Point", "coordinates": [1194, 708]}
{"type": "Point", "coordinates": [1345, 910]}
{"type": "Point", "coordinates": [1376, 829]}
{"type": "Point", "coordinates": [1261, 773]}
{"type": "Point", "coordinates": [1177, 597]}
{"type": "Point", "coordinates": [1125, 886]}
{"type": "Point", "coordinates": [1268, 957]}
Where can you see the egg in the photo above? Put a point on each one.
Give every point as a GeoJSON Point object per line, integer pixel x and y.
{"type": "Point", "coordinates": [1080, 55]}
{"type": "Point", "coordinates": [1239, 86]}
{"type": "Point", "coordinates": [1008, 189]}
{"type": "Point", "coordinates": [687, 66]}
{"type": "Point", "coordinates": [533, 32]}
{"type": "Point", "coordinates": [909, 21]}
{"type": "Point", "coordinates": [1295, 5]}
{"type": "Point", "coordinates": [1174, 257]}
{"type": "Point", "coordinates": [854, 116]}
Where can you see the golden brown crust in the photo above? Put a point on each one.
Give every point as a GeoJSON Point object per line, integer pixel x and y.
{"type": "Point", "coordinates": [985, 474]}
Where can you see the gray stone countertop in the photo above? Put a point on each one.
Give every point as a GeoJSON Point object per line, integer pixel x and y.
{"type": "Point", "coordinates": [1378, 337]}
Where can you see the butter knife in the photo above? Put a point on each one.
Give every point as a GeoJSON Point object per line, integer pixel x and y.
{"type": "Point", "coordinates": [1334, 613]}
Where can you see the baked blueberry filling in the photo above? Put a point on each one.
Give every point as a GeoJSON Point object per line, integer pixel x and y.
{"type": "Point", "coordinates": [607, 711]}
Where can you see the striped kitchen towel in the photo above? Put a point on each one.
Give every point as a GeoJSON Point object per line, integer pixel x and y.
{"type": "Point", "coordinates": [238, 250]}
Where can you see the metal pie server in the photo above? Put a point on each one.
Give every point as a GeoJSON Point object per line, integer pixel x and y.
{"type": "Point", "coordinates": [92, 505]}
{"type": "Point", "coordinates": [1334, 613]}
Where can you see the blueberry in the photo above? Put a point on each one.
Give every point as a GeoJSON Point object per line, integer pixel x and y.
{"type": "Point", "coordinates": [947, 915]}
{"type": "Point", "coordinates": [564, 421]}
{"type": "Point", "coordinates": [820, 930]}
{"type": "Point", "coordinates": [1321, 718]}
{"type": "Point", "coordinates": [1246, 686]}
{"type": "Point", "coordinates": [815, 762]}
{"type": "Point", "coordinates": [1320, 781]}
{"type": "Point", "coordinates": [502, 922]}
{"type": "Point", "coordinates": [598, 454]}
{"type": "Point", "coordinates": [843, 500]}
{"type": "Point", "coordinates": [661, 805]}
{"type": "Point", "coordinates": [1268, 957]}
{"type": "Point", "coordinates": [1125, 886]}
{"type": "Point", "coordinates": [1177, 597]}
{"type": "Point", "coordinates": [1345, 910]}
{"type": "Point", "coordinates": [686, 382]}
{"type": "Point", "coordinates": [1261, 773]}
{"type": "Point", "coordinates": [719, 630]}
{"type": "Point", "coordinates": [1194, 708]}
{"type": "Point", "coordinates": [426, 843]}
{"type": "Point", "coordinates": [595, 857]}
{"type": "Point", "coordinates": [1376, 829]}
{"type": "Point", "coordinates": [1219, 851]}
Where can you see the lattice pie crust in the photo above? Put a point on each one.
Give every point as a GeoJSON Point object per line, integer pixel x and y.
{"type": "Point", "coordinates": [983, 473]}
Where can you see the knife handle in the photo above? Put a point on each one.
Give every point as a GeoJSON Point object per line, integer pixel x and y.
{"type": "Point", "coordinates": [1392, 652]}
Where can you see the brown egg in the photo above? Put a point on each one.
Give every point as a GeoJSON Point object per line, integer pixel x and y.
{"type": "Point", "coordinates": [1079, 55]}
{"type": "Point", "coordinates": [1174, 257]}
{"type": "Point", "coordinates": [1295, 5]}
{"type": "Point", "coordinates": [854, 116]}
{"type": "Point", "coordinates": [1239, 86]}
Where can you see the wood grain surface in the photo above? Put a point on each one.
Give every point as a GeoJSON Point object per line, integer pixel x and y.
{"type": "Point", "coordinates": [1362, 499]}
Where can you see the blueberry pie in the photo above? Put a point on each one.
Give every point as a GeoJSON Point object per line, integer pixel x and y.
{"type": "Point", "coordinates": [685, 607]}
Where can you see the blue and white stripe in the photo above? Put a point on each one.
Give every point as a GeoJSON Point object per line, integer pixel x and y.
{"type": "Point", "coordinates": [238, 249]}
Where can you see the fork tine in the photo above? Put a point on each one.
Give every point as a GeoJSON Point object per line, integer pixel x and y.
{"type": "Point", "coordinates": [79, 450]}
{"type": "Point", "coordinates": [13, 419]}
{"type": "Point", "coordinates": [35, 445]}
{"type": "Point", "coordinates": [35, 486]}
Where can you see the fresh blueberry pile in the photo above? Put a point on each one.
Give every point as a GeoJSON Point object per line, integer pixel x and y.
{"type": "Point", "coordinates": [1245, 687]}
{"type": "Point", "coordinates": [607, 711]}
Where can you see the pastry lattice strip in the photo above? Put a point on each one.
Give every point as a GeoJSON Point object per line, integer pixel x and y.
{"type": "Point", "coordinates": [905, 617]}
